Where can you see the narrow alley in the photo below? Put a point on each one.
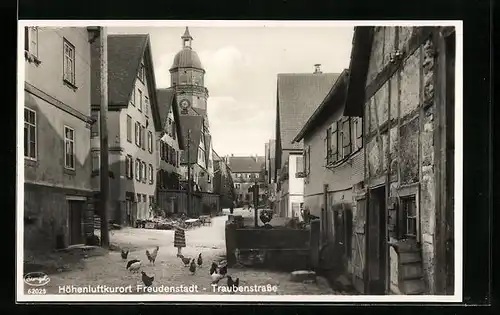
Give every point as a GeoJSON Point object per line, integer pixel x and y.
{"type": "Point", "coordinates": [110, 270]}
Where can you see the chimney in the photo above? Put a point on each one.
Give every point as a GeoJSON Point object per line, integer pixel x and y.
{"type": "Point", "coordinates": [317, 68]}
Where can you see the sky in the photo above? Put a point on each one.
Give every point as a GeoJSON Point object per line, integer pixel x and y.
{"type": "Point", "coordinates": [242, 64]}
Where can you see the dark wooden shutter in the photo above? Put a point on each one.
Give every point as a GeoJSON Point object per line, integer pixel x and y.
{"type": "Point", "coordinates": [359, 245]}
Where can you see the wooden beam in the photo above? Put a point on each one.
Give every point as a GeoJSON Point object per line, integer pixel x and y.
{"type": "Point", "coordinates": [416, 40]}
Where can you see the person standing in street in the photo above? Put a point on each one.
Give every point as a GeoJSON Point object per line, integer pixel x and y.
{"type": "Point", "coordinates": [179, 239]}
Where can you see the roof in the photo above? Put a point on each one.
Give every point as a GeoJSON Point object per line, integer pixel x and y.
{"type": "Point", "coordinates": [125, 53]}
{"type": "Point", "coordinates": [298, 95]}
{"type": "Point", "coordinates": [166, 101]}
{"type": "Point", "coordinates": [216, 157]}
{"type": "Point", "coordinates": [187, 57]}
{"type": "Point", "coordinates": [246, 164]}
{"type": "Point", "coordinates": [358, 68]}
{"type": "Point", "coordinates": [193, 123]}
{"type": "Point", "coordinates": [333, 100]}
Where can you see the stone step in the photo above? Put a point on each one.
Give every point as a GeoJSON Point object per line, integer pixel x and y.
{"type": "Point", "coordinates": [410, 271]}
{"type": "Point", "coordinates": [409, 257]}
{"type": "Point", "coordinates": [413, 287]}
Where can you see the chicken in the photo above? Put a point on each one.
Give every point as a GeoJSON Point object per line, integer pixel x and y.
{"type": "Point", "coordinates": [231, 282]}
{"type": "Point", "coordinates": [192, 267]}
{"type": "Point", "coordinates": [134, 265]}
{"type": "Point", "coordinates": [216, 274]}
{"type": "Point", "coordinates": [124, 254]}
{"type": "Point", "coordinates": [185, 260]}
{"type": "Point", "coordinates": [213, 268]}
{"type": "Point", "coordinates": [148, 281]}
{"type": "Point", "coordinates": [200, 260]}
{"type": "Point", "coordinates": [152, 256]}
{"type": "Point", "coordinates": [223, 270]}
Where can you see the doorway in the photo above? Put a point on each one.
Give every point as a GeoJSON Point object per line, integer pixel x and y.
{"type": "Point", "coordinates": [76, 221]}
{"type": "Point", "coordinates": [377, 241]}
{"type": "Point", "coordinates": [450, 165]}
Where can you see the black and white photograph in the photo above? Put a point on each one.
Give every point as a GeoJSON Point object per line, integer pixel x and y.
{"type": "Point", "coordinates": [235, 161]}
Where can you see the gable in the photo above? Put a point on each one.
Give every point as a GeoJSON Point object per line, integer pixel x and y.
{"type": "Point", "coordinates": [298, 95]}
{"type": "Point", "coordinates": [167, 107]}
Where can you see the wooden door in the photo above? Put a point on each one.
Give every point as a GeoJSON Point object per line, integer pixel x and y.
{"type": "Point", "coordinates": [376, 241]}
{"type": "Point", "coordinates": [358, 259]}
{"type": "Point", "coordinates": [75, 221]}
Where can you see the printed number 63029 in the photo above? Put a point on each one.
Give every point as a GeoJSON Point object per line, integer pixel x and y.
{"type": "Point", "coordinates": [37, 291]}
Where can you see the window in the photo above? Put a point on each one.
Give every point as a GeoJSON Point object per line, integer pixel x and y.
{"type": "Point", "coordinates": [129, 166]}
{"type": "Point", "coordinates": [137, 134]}
{"type": "Point", "coordinates": [31, 40]}
{"type": "Point", "coordinates": [409, 227]}
{"type": "Point", "coordinates": [94, 130]}
{"type": "Point", "coordinates": [169, 126]}
{"type": "Point", "coordinates": [69, 148]}
{"type": "Point", "coordinates": [237, 186]}
{"type": "Point", "coordinates": [173, 130]}
{"type": "Point", "coordinates": [129, 128]}
{"type": "Point", "coordinates": [69, 63]}
{"type": "Point", "coordinates": [357, 131]}
{"type": "Point", "coordinates": [138, 170]}
{"type": "Point", "coordinates": [346, 137]}
{"type": "Point", "coordinates": [256, 175]}
{"type": "Point", "coordinates": [146, 106]}
{"type": "Point", "coordinates": [334, 147]}
{"type": "Point", "coordinates": [139, 101]}
{"type": "Point", "coordinates": [143, 137]}
{"type": "Point", "coordinates": [142, 73]}
{"type": "Point", "coordinates": [30, 133]}
{"type": "Point", "coordinates": [300, 164]}
{"type": "Point", "coordinates": [144, 172]}
{"type": "Point", "coordinates": [132, 98]}
{"type": "Point", "coordinates": [150, 142]}
{"type": "Point", "coordinates": [96, 161]}
{"type": "Point", "coordinates": [151, 173]}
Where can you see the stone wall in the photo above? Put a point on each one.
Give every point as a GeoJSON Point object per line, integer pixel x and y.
{"type": "Point", "coordinates": [400, 130]}
{"type": "Point", "coordinates": [46, 215]}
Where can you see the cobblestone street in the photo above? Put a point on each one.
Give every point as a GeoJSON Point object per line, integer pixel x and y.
{"type": "Point", "coordinates": [109, 269]}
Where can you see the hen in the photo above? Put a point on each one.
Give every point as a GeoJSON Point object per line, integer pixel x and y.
{"type": "Point", "coordinates": [134, 265]}
{"type": "Point", "coordinates": [200, 260]}
{"type": "Point", "coordinates": [192, 267]}
{"type": "Point", "coordinates": [185, 260]}
{"type": "Point", "coordinates": [223, 270]}
{"type": "Point", "coordinates": [152, 256]}
{"type": "Point", "coordinates": [231, 282]}
{"type": "Point", "coordinates": [148, 281]}
{"type": "Point", "coordinates": [215, 273]}
{"type": "Point", "coordinates": [124, 254]}
{"type": "Point", "coordinates": [213, 268]}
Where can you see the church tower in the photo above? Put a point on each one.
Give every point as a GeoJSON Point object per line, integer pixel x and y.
{"type": "Point", "coordinates": [187, 77]}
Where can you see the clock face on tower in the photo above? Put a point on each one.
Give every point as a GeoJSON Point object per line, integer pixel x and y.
{"type": "Point", "coordinates": [184, 104]}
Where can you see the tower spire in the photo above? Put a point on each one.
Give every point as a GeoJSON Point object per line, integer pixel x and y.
{"type": "Point", "coordinates": [186, 39]}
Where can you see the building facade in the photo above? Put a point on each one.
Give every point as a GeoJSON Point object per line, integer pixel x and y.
{"type": "Point", "coordinates": [223, 182]}
{"type": "Point", "coordinates": [247, 171]}
{"type": "Point", "coordinates": [133, 122]}
{"type": "Point", "coordinates": [57, 122]}
{"type": "Point", "coordinates": [298, 95]}
{"type": "Point", "coordinates": [333, 163]}
{"type": "Point", "coordinates": [169, 142]}
{"type": "Point", "coordinates": [402, 84]}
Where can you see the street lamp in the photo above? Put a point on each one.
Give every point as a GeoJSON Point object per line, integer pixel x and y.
{"type": "Point", "coordinates": [189, 172]}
